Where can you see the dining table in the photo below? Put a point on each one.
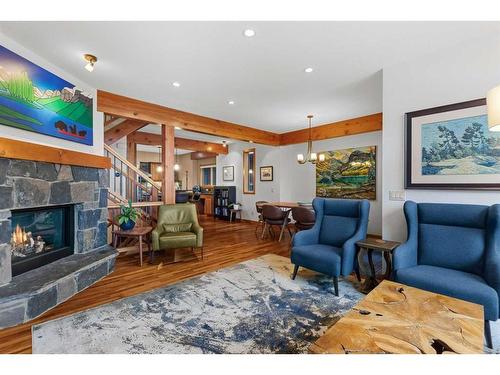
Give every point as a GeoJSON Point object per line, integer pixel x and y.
{"type": "Point", "coordinates": [289, 205]}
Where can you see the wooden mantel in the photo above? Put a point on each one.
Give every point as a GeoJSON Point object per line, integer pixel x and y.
{"type": "Point", "coordinates": [14, 149]}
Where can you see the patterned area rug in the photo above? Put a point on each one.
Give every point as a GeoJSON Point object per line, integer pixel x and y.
{"type": "Point", "coordinates": [253, 307]}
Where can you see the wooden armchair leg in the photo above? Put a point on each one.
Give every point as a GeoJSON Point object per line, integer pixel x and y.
{"type": "Point", "coordinates": [336, 285]}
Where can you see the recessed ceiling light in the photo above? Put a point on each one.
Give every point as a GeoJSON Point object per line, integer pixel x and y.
{"type": "Point", "coordinates": [176, 84]}
{"type": "Point", "coordinates": [308, 70]}
{"type": "Point", "coordinates": [231, 102]}
{"type": "Point", "coordinates": [178, 128]}
{"type": "Point", "coordinates": [249, 33]}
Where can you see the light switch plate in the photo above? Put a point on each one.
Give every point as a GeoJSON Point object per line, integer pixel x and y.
{"type": "Point", "coordinates": [397, 195]}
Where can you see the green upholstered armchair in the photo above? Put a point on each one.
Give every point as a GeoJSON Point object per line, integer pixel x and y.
{"type": "Point", "coordinates": [177, 227]}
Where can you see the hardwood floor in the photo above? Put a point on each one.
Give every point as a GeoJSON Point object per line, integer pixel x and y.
{"type": "Point", "coordinates": [225, 244]}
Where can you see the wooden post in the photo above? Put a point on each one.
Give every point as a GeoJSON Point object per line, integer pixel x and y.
{"type": "Point", "coordinates": [167, 161]}
{"type": "Point", "coordinates": [131, 157]}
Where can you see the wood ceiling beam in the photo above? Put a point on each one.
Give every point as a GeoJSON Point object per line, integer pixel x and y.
{"type": "Point", "coordinates": [122, 130]}
{"type": "Point", "coordinates": [353, 126]}
{"type": "Point", "coordinates": [151, 139]}
{"type": "Point", "coordinates": [122, 106]}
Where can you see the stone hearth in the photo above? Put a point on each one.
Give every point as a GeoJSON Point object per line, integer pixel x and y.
{"type": "Point", "coordinates": [29, 184]}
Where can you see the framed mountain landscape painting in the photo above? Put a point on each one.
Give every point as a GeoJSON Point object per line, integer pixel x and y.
{"type": "Point", "coordinates": [349, 174]}
{"type": "Point", "coordinates": [34, 99]}
{"type": "Point", "coordinates": [450, 147]}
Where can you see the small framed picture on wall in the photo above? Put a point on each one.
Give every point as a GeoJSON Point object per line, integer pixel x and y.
{"type": "Point", "coordinates": [228, 173]}
{"type": "Point", "coordinates": [266, 173]}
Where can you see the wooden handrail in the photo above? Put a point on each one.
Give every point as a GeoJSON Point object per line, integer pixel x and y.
{"type": "Point", "coordinates": [138, 205]}
{"type": "Point", "coordinates": [132, 167]}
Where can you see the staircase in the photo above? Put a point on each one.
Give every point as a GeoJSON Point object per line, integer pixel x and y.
{"type": "Point", "coordinates": [129, 183]}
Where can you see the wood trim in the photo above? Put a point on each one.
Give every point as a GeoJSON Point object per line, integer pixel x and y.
{"type": "Point", "coordinates": [198, 155]}
{"type": "Point", "coordinates": [168, 160]}
{"type": "Point", "coordinates": [14, 149]}
{"type": "Point", "coordinates": [122, 130]}
{"type": "Point", "coordinates": [123, 106]}
{"type": "Point", "coordinates": [152, 139]}
{"type": "Point", "coordinates": [353, 126]}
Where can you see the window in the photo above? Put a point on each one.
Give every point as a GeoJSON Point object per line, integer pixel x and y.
{"type": "Point", "coordinates": [249, 171]}
{"type": "Point", "coordinates": [208, 173]}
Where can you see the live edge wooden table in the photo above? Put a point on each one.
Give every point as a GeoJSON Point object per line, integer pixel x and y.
{"type": "Point", "coordinates": [374, 244]}
{"type": "Point", "coordinates": [395, 318]}
{"type": "Point", "coordinates": [138, 232]}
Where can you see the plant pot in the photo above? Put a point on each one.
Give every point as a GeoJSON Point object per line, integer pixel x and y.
{"type": "Point", "coordinates": [236, 206]}
{"type": "Point", "coordinates": [128, 225]}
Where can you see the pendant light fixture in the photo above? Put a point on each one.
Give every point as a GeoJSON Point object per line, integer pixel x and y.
{"type": "Point", "coordinates": [311, 156]}
{"type": "Point", "coordinates": [176, 165]}
{"type": "Point", "coordinates": [159, 168]}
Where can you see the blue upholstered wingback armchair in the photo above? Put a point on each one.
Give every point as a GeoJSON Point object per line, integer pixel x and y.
{"type": "Point", "coordinates": [329, 246]}
{"type": "Point", "coordinates": [453, 249]}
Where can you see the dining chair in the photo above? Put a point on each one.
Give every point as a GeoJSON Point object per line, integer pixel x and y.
{"type": "Point", "coordinates": [304, 218]}
{"type": "Point", "coordinates": [258, 209]}
{"type": "Point", "coordinates": [272, 216]}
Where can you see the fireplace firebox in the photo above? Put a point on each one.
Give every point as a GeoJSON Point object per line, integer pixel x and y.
{"type": "Point", "coordinates": [40, 236]}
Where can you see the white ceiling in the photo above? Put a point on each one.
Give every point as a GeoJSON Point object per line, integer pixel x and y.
{"type": "Point", "coordinates": [264, 75]}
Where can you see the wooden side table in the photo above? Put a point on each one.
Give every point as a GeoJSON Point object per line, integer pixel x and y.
{"type": "Point", "coordinates": [371, 245]}
{"type": "Point", "coordinates": [234, 212]}
{"type": "Point", "coordinates": [136, 232]}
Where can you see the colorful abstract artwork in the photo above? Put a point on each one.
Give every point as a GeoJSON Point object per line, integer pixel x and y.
{"type": "Point", "coordinates": [34, 99]}
{"type": "Point", "coordinates": [348, 174]}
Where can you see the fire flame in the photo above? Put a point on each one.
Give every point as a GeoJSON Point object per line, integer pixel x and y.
{"type": "Point", "coordinates": [19, 236]}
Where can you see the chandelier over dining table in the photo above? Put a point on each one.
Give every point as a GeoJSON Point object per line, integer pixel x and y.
{"type": "Point", "coordinates": [310, 157]}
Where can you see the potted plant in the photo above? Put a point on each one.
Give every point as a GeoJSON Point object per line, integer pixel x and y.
{"type": "Point", "coordinates": [128, 216]}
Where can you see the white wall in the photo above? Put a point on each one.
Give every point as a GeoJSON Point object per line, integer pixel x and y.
{"type": "Point", "coordinates": [22, 135]}
{"type": "Point", "coordinates": [298, 182]}
{"type": "Point", "coordinates": [454, 75]}
{"type": "Point", "coordinates": [268, 190]}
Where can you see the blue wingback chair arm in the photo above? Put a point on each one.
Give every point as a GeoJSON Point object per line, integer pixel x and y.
{"type": "Point", "coordinates": [405, 255]}
{"type": "Point", "coordinates": [492, 262]}
{"type": "Point", "coordinates": [349, 247]}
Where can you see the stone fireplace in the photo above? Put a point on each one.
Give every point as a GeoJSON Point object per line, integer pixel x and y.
{"type": "Point", "coordinates": [53, 235]}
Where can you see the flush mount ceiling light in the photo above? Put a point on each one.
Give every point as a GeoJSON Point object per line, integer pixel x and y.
{"type": "Point", "coordinates": [311, 157]}
{"type": "Point", "coordinates": [176, 84]}
{"type": "Point", "coordinates": [249, 33]}
{"type": "Point", "coordinates": [91, 60]}
{"type": "Point", "coordinates": [231, 102]}
{"type": "Point", "coordinates": [308, 70]}
{"type": "Point", "coordinates": [178, 128]}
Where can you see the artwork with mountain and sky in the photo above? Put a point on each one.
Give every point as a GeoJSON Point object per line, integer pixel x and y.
{"type": "Point", "coordinates": [33, 99]}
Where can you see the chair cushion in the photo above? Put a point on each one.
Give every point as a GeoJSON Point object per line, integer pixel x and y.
{"type": "Point", "coordinates": [174, 228]}
{"type": "Point", "coordinates": [320, 258]}
{"type": "Point", "coordinates": [458, 248]}
{"type": "Point", "coordinates": [177, 239]}
{"type": "Point", "coordinates": [335, 230]}
{"type": "Point", "coordinates": [453, 283]}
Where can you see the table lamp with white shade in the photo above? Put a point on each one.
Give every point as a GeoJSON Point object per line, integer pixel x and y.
{"type": "Point", "coordinates": [493, 104]}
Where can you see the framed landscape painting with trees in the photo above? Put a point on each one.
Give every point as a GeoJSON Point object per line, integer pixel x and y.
{"type": "Point", "coordinates": [450, 147]}
{"type": "Point", "coordinates": [34, 99]}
